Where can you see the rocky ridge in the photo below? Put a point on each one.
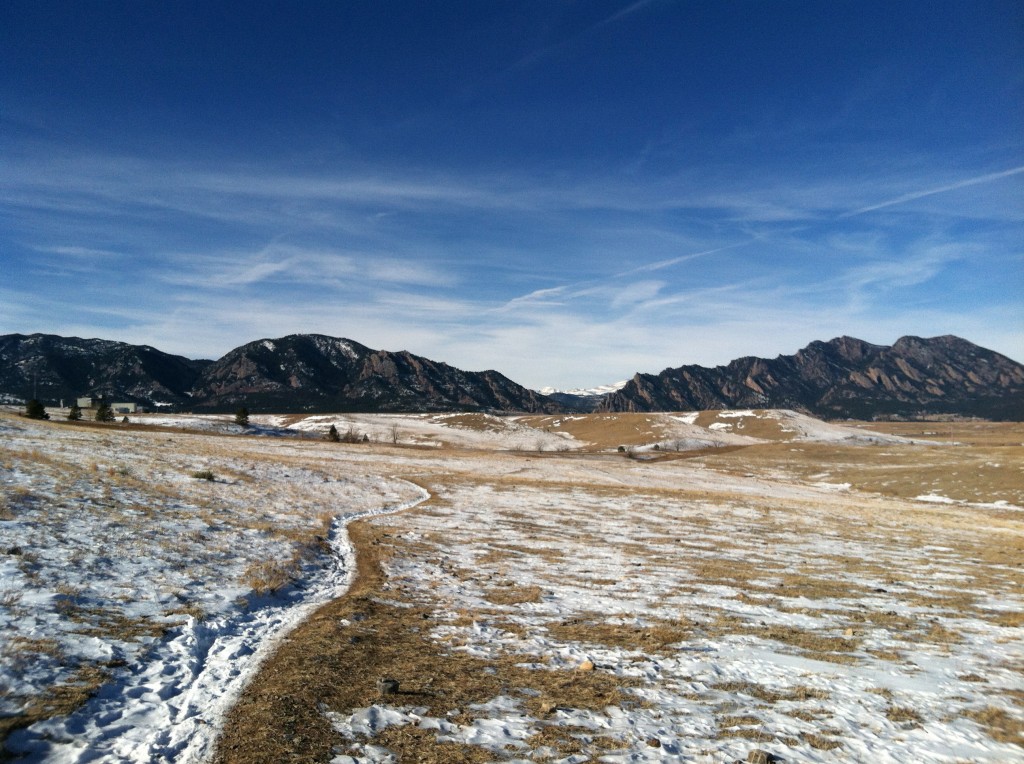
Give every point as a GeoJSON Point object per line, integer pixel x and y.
{"type": "Point", "coordinates": [844, 378]}
{"type": "Point", "coordinates": [312, 372]}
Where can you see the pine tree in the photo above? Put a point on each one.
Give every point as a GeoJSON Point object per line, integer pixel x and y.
{"type": "Point", "coordinates": [104, 413]}
{"type": "Point", "coordinates": [242, 417]}
{"type": "Point", "coordinates": [75, 413]}
{"type": "Point", "coordinates": [332, 434]}
{"type": "Point", "coordinates": [35, 410]}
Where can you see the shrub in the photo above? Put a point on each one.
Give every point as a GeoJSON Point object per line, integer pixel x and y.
{"type": "Point", "coordinates": [74, 413]}
{"type": "Point", "coordinates": [104, 413]}
{"type": "Point", "coordinates": [35, 410]}
{"type": "Point", "coordinates": [242, 417]}
{"type": "Point", "coordinates": [332, 434]}
{"type": "Point", "coordinates": [204, 475]}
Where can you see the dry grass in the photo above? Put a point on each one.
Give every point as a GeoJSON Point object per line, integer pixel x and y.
{"type": "Point", "coordinates": [1000, 724]}
{"type": "Point", "coordinates": [757, 426]}
{"type": "Point", "coordinates": [605, 431]}
{"type": "Point", "coordinates": [985, 468]}
{"type": "Point", "coordinates": [903, 714]}
{"type": "Point", "coordinates": [513, 595]}
{"type": "Point", "coordinates": [278, 718]}
{"type": "Point", "coordinates": [813, 645]}
{"type": "Point", "coordinates": [819, 741]}
{"type": "Point", "coordinates": [56, 701]}
{"type": "Point", "coordinates": [594, 630]}
{"type": "Point", "coordinates": [772, 695]}
{"type": "Point", "coordinates": [568, 740]}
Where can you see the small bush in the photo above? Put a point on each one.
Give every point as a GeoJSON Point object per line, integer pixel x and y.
{"type": "Point", "coordinates": [204, 475]}
{"type": "Point", "coordinates": [35, 410]}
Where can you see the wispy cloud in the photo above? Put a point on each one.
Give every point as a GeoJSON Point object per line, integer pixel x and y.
{"type": "Point", "coordinates": [550, 296]}
{"type": "Point", "coordinates": [598, 277]}
{"type": "Point", "coordinates": [85, 253]}
{"type": "Point", "coordinates": [281, 263]}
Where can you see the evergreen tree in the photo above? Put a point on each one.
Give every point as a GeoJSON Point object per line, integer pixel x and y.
{"type": "Point", "coordinates": [75, 413]}
{"type": "Point", "coordinates": [332, 434]}
{"type": "Point", "coordinates": [104, 413]}
{"type": "Point", "coordinates": [35, 410]}
{"type": "Point", "coordinates": [242, 417]}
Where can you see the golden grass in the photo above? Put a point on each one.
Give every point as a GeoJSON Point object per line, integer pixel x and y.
{"type": "Point", "coordinates": [605, 431]}
{"type": "Point", "coordinates": [278, 717]}
{"type": "Point", "coordinates": [773, 695]}
{"type": "Point", "coordinates": [1000, 725]}
{"type": "Point", "coordinates": [975, 473]}
{"type": "Point", "coordinates": [819, 741]}
{"type": "Point", "coordinates": [513, 595]}
{"type": "Point", "coordinates": [568, 740]}
{"type": "Point", "coordinates": [903, 714]}
{"type": "Point", "coordinates": [594, 630]}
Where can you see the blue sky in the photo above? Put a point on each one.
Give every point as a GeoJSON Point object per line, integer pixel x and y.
{"type": "Point", "coordinates": [567, 192]}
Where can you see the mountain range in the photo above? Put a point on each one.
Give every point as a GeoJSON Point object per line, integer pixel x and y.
{"type": "Point", "coordinates": [844, 378]}
{"type": "Point", "coordinates": [841, 378]}
{"type": "Point", "coordinates": [297, 373]}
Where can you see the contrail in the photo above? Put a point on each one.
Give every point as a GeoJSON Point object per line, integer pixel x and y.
{"type": "Point", "coordinates": [941, 189]}
{"type": "Point", "coordinates": [676, 260]}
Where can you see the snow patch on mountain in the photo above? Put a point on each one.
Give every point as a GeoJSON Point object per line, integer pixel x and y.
{"type": "Point", "coordinates": [585, 392]}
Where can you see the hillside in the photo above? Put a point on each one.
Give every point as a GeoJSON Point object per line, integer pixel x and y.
{"type": "Point", "coordinates": [318, 373]}
{"type": "Point", "coordinates": [53, 368]}
{"type": "Point", "coordinates": [844, 378]}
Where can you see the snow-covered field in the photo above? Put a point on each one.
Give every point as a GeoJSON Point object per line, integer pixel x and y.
{"type": "Point", "coordinates": [731, 611]}
{"type": "Point", "coordinates": [120, 567]}
{"type": "Point", "coordinates": [814, 628]}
